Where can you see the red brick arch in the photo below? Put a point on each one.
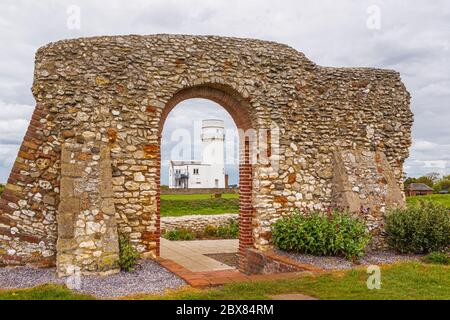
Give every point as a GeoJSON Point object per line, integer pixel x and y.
{"type": "Point", "coordinates": [236, 106]}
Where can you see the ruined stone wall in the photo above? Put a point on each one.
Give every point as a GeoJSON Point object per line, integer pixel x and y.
{"type": "Point", "coordinates": [87, 228]}
{"type": "Point", "coordinates": [118, 91]}
{"type": "Point", "coordinates": [197, 223]}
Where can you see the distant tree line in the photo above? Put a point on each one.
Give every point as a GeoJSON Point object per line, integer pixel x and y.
{"type": "Point", "coordinates": [433, 180]}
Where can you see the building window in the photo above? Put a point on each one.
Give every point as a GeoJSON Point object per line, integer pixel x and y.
{"type": "Point", "coordinates": [195, 171]}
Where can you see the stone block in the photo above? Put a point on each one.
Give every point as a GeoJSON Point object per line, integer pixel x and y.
{"type": "Point", "coordinates": [107, 206]}
{"type": "Point", "coordinates": [66, 187]}
{"type": "Point", "coordinates": [66, 225]}
{"type": "Point", "coordinates": [65, 245]}
{"type": "Point", "coordinates": [50, 200]}
{"type": "Point", "coordinates": [69, 205]}
{"type": "Point", "coordinates": [72, 170]}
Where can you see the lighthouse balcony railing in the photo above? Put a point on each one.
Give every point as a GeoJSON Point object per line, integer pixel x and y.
{"type": "Point", "coordinates": [206, 136]}
{"type": "Point", "coordinates": [181, 175]}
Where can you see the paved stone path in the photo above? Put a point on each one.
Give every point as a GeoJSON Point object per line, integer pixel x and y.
{"type": "Point", "coordinates": [191, 254]}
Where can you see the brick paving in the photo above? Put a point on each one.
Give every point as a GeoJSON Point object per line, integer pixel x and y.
{"type": "Point", "coordinates": [187, 260]}
{"type": "Point", "coordinates": [217, 278]}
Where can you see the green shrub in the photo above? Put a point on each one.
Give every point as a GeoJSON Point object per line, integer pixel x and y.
{"type": "Point", "coordinates": [319, 234]}
{"type": "Point", "coordinates": [210, 231]}
{"type": "Point", "coordinates": [230, 231]}
{"type": "Point", "coordinates": [421, 228]}
{"type": "Point", "coordinates": [2, 187]}
{"type": "Point", "coordinates": [180, 234]}
{"type": "Point", "coordinates": [437, 258]}
{"type": "Point", "coordinates": [128, 255]}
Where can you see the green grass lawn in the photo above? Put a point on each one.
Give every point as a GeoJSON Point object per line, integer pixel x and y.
{"type": "Point", "coordinates": [406, 281]}
{"type": "Point", "coordinates": [410, 281]}
{"type": "Point", "coordinates": [198, 204]}
{"type": "Point", "coordinates": [44, 292]}
{"type": "Point", "coordinates": [196, 196]}
{"type": "Point", "coordinates": [204, 204]}
{"type": "Point", "coordinates": [439, 198]}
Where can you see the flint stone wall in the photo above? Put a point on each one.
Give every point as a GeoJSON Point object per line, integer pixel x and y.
{"type": "Point", "coordinates": [118, 90]}
{"type": "Point", "coordinates": [197, 223]}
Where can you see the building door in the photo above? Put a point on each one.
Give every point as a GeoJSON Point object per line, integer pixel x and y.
{"type": "Point", "coordinates": [217, 183]}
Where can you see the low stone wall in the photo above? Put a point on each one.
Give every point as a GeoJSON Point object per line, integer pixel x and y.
{"type": "Point", "coordinates": [259, 262]}
{"type": "Point", "coordinates": [196, 223]}
{"type": "Point", "coordinates": [199, 191]}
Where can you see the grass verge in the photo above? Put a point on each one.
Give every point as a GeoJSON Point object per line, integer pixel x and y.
{"type": "Point", "coordinates": [407, 281]}
{"type": "Point", "coordinates": [44, 292]}
{"type": "Point", "coordinates": [438, 198]}
{"type": "Point", "coordinates": [176, 208]}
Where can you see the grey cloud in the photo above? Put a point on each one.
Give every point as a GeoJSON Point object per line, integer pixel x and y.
{"type": "Point", "coordinates": [414, 39]}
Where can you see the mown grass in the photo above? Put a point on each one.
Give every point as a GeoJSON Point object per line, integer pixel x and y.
{"type": "Point", "coordinates": [198, 204]}
{"type": "Point", "coordinates": [44, 292]}
{"type": "Point", "coordinates": [438, 198]}
{"type": "Point", "coordinates": [406, 281]}
{"type": "Point", "coordinates": [410, 281]}
{"type": "Point", "coordinates": [197, 196]}
{"type": "Point", "coordinates": [204, 204]}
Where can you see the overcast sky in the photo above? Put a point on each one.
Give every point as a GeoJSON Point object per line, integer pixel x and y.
{"type": "Point", "coordinates": [412, 37]}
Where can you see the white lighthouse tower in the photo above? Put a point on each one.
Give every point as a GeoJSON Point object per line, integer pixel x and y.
{"type": "Point", "coordinates": [210, 171]}
{"type": "Point", "coordinates": [206, 173]}
{"type": "Point", "coordinates": [213, 150]}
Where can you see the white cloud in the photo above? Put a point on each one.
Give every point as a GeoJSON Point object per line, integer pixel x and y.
{"type": "Point", "coordinates": [14, 119]}
{"type": "Point", "coordinates": [422, 145]}
{"type": "Point", "coordinates": [413, 39]}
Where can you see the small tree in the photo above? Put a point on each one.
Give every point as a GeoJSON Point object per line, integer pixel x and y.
{"type": "Point", "coordinates": [443, 184]}
{"type": "Point", "coordinates": [128, 255]}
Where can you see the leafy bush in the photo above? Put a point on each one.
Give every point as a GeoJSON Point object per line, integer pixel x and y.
{"type": "Point", "coordinates": [2, 187]}
{"type": "Point", "coordinates": [230, 231]}
{"type": "Point", "coordinates": [128, 255]}
{"type": "Point", "coordinates": [337, 233]}
{"type": "Point", "coordinates": [421, 228]}
{"type": "Point", "coordinates": [210, 231]}
{"type": "Point", "coordinates": [181, 234]}
{"type": "Point", "coordinates": [437, 258]}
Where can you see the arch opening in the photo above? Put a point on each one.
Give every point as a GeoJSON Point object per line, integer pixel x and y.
{"type": "Point", "coordinates": [236, 109]}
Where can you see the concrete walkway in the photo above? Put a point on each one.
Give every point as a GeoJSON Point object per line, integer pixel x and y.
{"type": "Point", "coordinates": [191, 254]}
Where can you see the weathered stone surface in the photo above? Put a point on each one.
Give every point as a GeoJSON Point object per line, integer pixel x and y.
{"type": "Point", "coordinates": [196, 223]}
{"type": "Point", "coordinates": [89, 97]}
{"type": "Point", "coordinates": [360, 186]}
{"type": "Point", "coordinates": [87, 233]}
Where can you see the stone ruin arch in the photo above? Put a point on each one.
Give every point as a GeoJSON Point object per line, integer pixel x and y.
{"type": "Point", "coordinates": [89, 165]}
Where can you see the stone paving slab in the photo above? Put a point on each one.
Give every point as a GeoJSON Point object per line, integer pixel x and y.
{"type": "Point", "coordinates": [191, 254]}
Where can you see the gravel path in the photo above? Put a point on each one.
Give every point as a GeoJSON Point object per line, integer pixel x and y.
{"type": "Point", "coordinates": [150, 277]}
{"type": "Point", "coordinates": [338, 263]}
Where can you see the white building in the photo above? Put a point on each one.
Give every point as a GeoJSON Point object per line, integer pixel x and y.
{"type": "Point", "coordinates": [208, 173]}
